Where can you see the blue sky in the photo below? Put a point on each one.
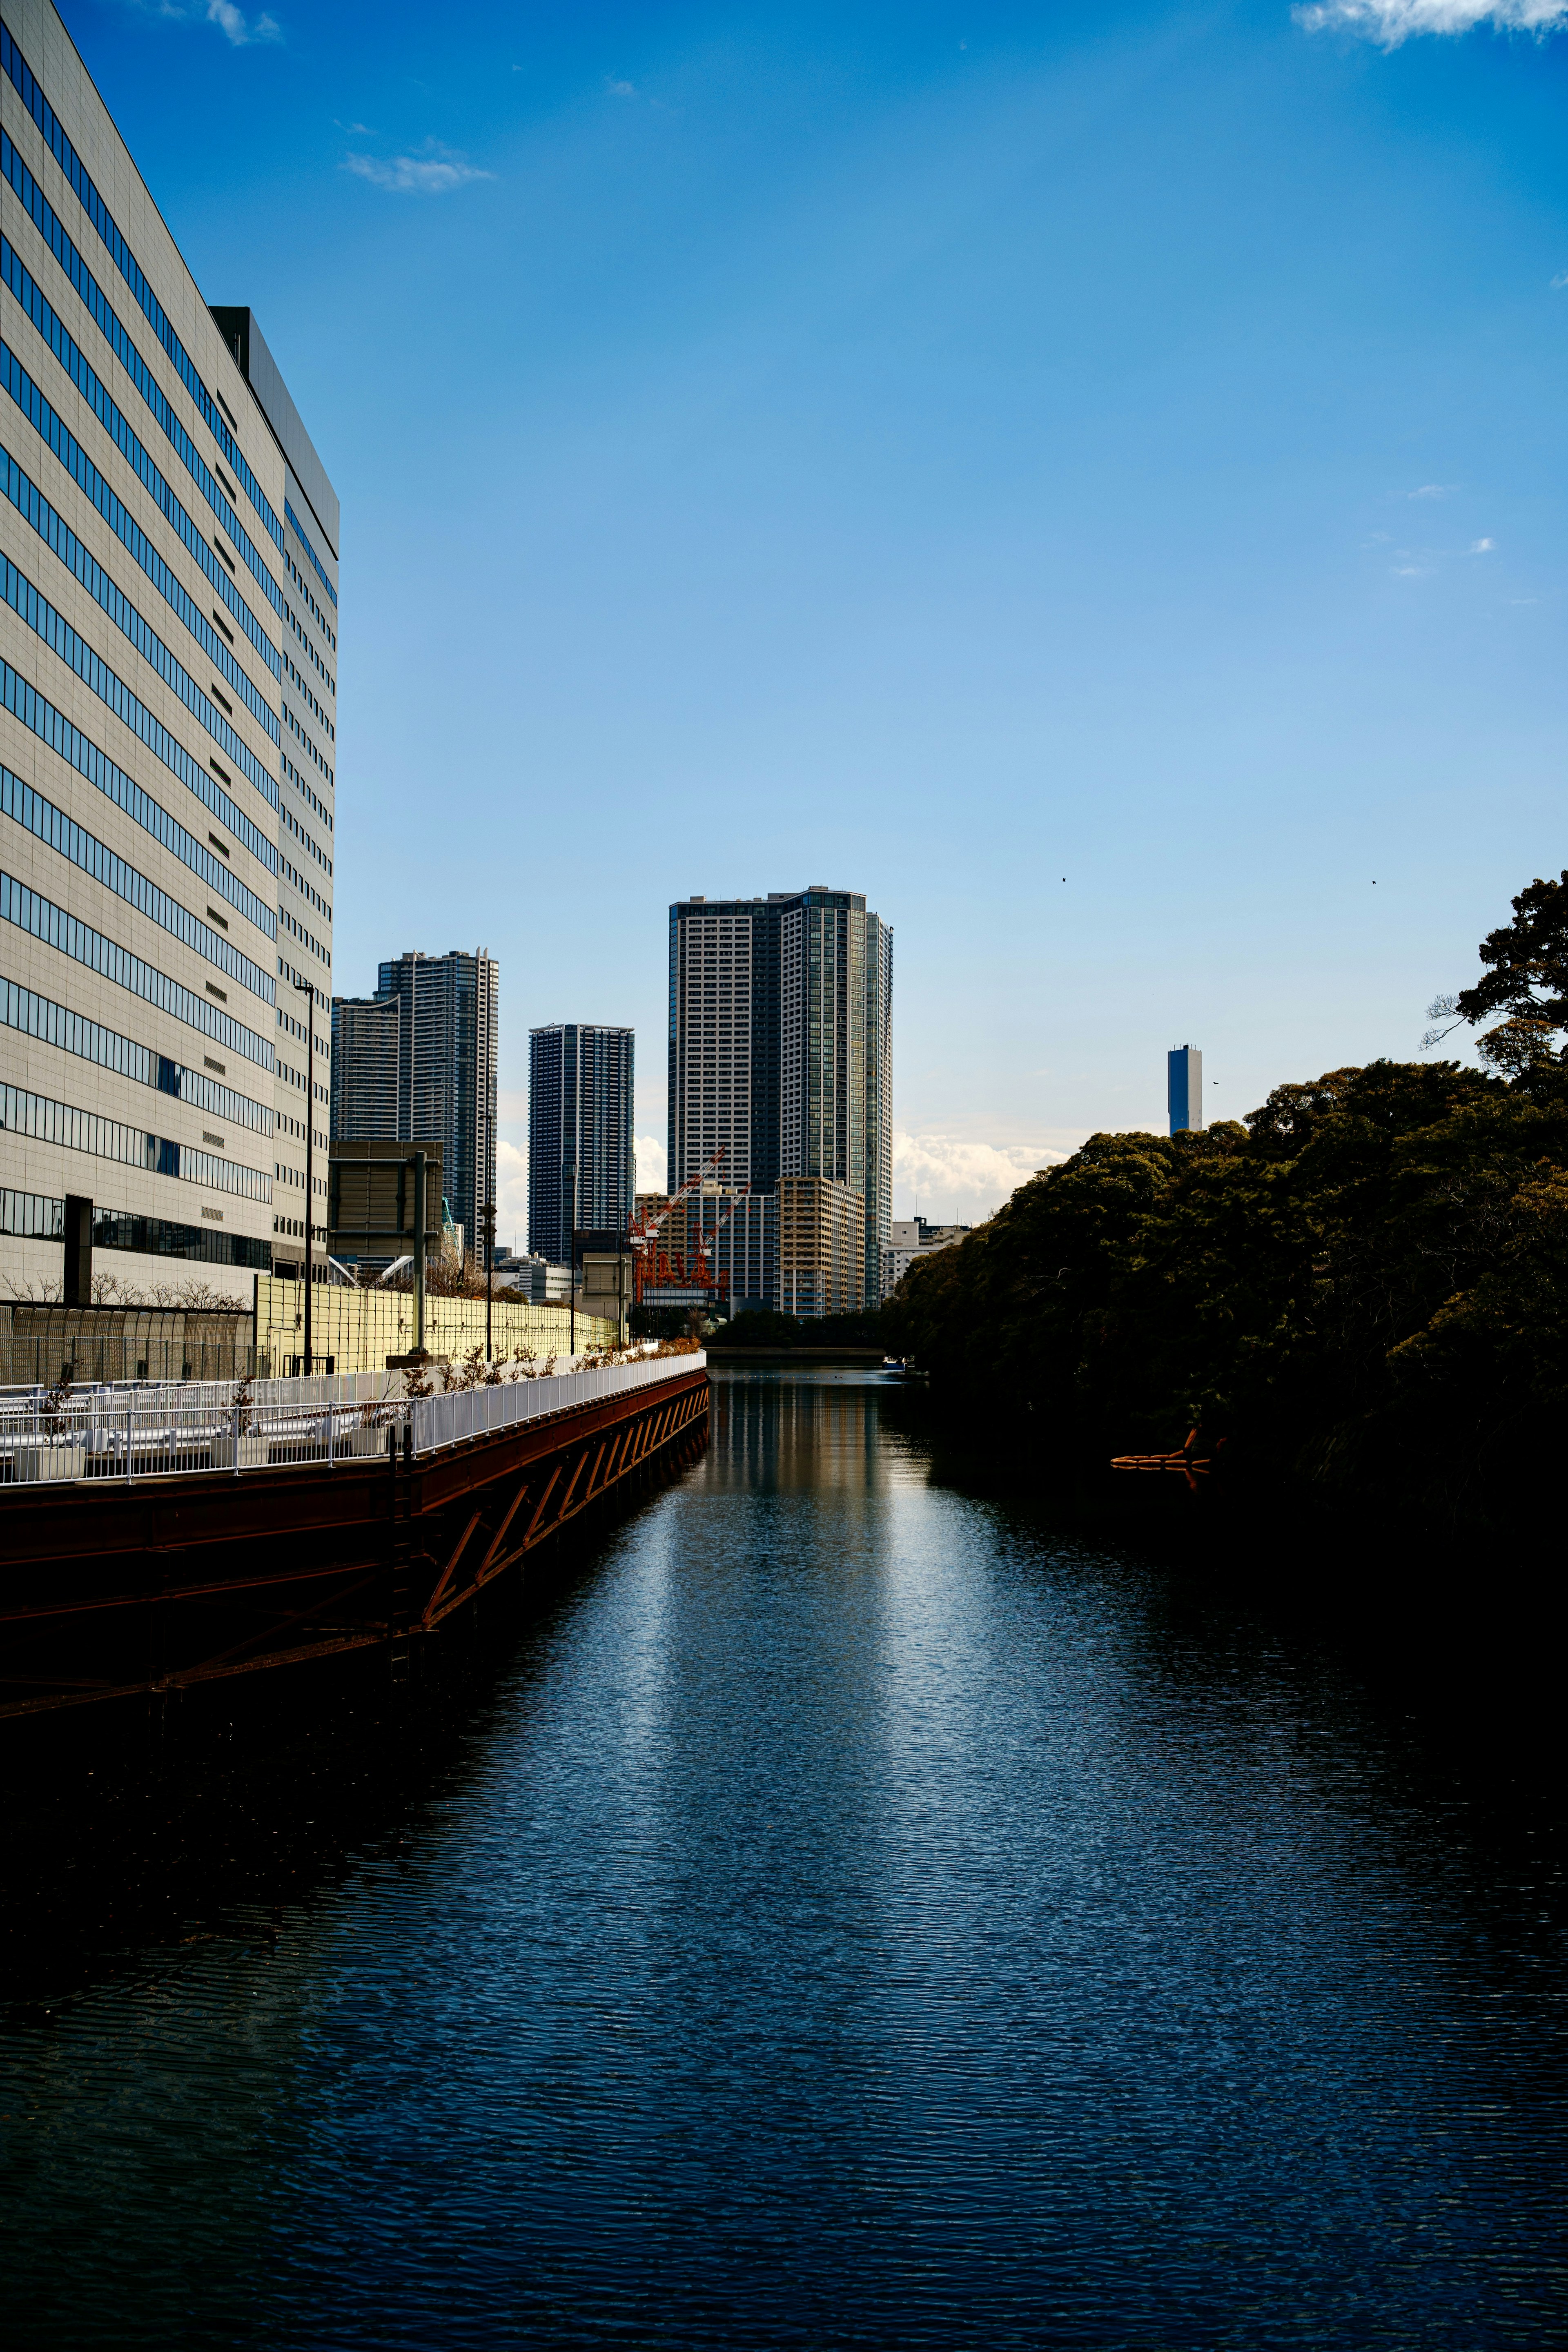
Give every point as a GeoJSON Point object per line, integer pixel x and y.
{"type": "Point", "coordinates": [934, 450]}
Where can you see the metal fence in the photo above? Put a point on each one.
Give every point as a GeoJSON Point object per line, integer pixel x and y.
{"type": "Point", "coordinates": [130, 1433]}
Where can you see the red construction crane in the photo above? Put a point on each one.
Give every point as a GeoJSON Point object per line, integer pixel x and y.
{"type": "Point", "coordinates": [644, 1232]}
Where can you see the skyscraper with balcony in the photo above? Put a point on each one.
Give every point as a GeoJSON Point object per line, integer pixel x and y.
{"type": "Point", "coordinates": [582, 1168]}
{"type": "Point", "coordinates": [168, 736]}
{"type": "Point", "coordinates": [781, 1048]}
{"type": "Point", "coordinates": [442, 1067]}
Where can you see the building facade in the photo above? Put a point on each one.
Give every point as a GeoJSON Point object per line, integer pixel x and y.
{"type": "Point", "coordinates": [168, 736]}
{"type": "Point", "coordinates": [821, 1247]}
{"type": "Point", "coordinates": [781, 1048]}
{"type": "Point", "coordinates": [912, 1238]}
{"type": "Point", "coordinates": [582, 1164]}
{"type": "Point", "coordinates": [446, 1011]}
{"type": "Point", "coordinates": [1184, 1088]}
{"type": "Point", "coordinates": [367, 1048]}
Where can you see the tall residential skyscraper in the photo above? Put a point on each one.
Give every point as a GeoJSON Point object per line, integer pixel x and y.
{"type": "Point", "coordinates": [168, 738]}
{"type": "Point", "coordinates": [442, 1068]}
{"type": "Point", "coordinates": [781, 1046]}
{"type": "Point", "coordinates": [582, 1171]}
{"type": "Point", "coordinates": [1185, 1086]}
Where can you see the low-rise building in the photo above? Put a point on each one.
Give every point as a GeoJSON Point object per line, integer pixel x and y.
{"type": "Point", "coordinates": [914, 1237]}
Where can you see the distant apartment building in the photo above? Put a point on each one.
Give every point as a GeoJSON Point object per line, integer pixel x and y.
{"type": "Point", "coordinates": [821, 1247]}
{"type": "Point", "coordinates": [419, 1058]}
{"type": "Point", "coordinates": [1184, 1088]}
{"type": "Point", "coordinates": [582, 1167]}
{"type": "Point", "coordinates": [168, 733]}
{"type": "Point", "coordinates": [366, 1032]}
{"type": "Point", "coordinates": [912, 1238]}
{"type": "Point", "coordinates": [781, 1053]}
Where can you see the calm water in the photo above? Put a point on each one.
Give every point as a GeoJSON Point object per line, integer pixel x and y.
{"type": "Point", "coordinates": [848, 1916]}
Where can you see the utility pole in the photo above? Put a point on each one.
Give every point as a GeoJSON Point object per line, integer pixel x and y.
{"type": "Point", "coordinates": [303, 988]}
{"type": "Point", "coordinates": [489, 1223]}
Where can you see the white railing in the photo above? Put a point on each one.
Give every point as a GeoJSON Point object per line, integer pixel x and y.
{"type": "Point", "coordinates": [130, 1433]}
{"type": "Point", "coordinates": [476, 1413]}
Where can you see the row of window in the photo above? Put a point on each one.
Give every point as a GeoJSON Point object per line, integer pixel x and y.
{"type": "Point", "coordinates": [37, 409]}
{"type": "Point", "coordinates": [13, 64]}
{"type": "Point", "coordinates": [52, 429]}
{"type": "Point", "coordinates": [311, 752]}
{"type": "Point", "coordinates": [41, 717]}
{"type": "Point", "coordinates": [73, 1033]}
{"type": "Point", "coordinates": [44, 1121]}
{"type": "Point", "coordinates": [323, 811]}
{"type": "Point", "coordinates": [304, 539]}
{"type": "Point", "coordinates": [303, 838]}
{"type": "Point", "coordinates": [47, 223]}
{"type": "Point", "coordinates": [34, 1216]}
{"type": "Point", "coordinates": [311, 654]}
{"type": "Point", "coordinates": [39, 916]}
{"type": "Point", "coordinates": [297, 1028]}
{"type": "Point", "coordinates": [288, 923]}
{"type": "Point", "coordinates": [317, 707]}
{"type": "Point", "coordinates": [90, 575]}
{"type": "Point", "coordinates": [292, 874]}
{"type": "Point", "coordinates": [89, 856]}
{"type": "Point", "coordinates": [143, 811]}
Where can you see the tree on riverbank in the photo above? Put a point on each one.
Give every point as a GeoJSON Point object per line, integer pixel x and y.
{"type": "Point", "coordinates": [1364, 1286]}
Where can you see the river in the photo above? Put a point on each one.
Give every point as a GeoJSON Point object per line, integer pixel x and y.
{"type": "Point", "coordinates": [847, 1913]}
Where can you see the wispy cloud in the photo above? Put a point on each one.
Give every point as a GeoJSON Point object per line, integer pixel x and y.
{"type": "Point", "coordinates": [435, 171]}
{"type": "Point", "coordinates": [1390, 22]}
{"type": "Point", "coordinates": [1559, 282]}
{"type": "Point", "coordinates": [1483, 546]}
{"type": "Point", "coordinates": [232, 23]}
{"type": "Point", "coordinates": [622, 88]}
{"type": "Point", "coordinates": [1410, 570]}
{"type": "Point", "coordinates": [1432, 491]}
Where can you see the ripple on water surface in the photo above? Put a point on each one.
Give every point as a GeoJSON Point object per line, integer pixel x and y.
{"type": "Point", "coordinates": [854, 1916]}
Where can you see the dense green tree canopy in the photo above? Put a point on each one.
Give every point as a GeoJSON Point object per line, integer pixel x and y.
{"type": "Point", "coordinates": [1364, 1287]}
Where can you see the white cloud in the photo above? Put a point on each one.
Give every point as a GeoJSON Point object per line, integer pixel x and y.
{"type": "Point", "coordinates": [1559, 282]}
{"type": "Point", "coordinates": [622, 88]}
{"type": "Point", "coordinates": [652, 1163]}
{"type": "Point", "coordinates": [1408, 571]}
{"type": "Point", "coordinates": [231, 21]}
{"type": "Point", "coordinates": [951, 1177]}
{"type": "Point", "coordinates": [1483, 546]}
{"type": "Point", "coordinates": [1431, 491]}
{"type": "Point", "coordinates": [1390, 22]}
{"type": "Point", "coordinates": [512, 1194]}
{"type": "Point", "coordinates": [434, 172]}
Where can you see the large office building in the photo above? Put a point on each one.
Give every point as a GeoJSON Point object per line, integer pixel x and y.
{"type": "Point", "coordinates": [781, 1057]}
{"type": "Point", "coordinates": [582, 1164]}
{"type": "Point", "coordinates": [418, 1059]}
{"type": "Point", "coordinates": [168, 736]}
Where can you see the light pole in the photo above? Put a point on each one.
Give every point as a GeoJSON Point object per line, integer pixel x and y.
{"type": "Point", "coordinates": [303, 988]}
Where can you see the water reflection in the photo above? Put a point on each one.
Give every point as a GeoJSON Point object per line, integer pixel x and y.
{"type": "Point", "coordinates": [855, 1915]}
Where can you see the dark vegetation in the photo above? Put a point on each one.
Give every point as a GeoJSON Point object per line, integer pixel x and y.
{"type": "Point", "coordinates": [769, 1330]}
{"type": "Point", "coordinates": [1363, 1289]}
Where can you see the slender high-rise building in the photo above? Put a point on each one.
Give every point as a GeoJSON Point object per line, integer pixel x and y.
{"type": "Point", "coordinates": [447, 1009]}
{"type": "Point", "coordinates": [581, 1169]}
{"type": "Point", "coordinates": [168, 735]}
{"type": "Point", "coordinates": [1184, 1088]}
{"type": "Point", "coordinates": [781, 1048]}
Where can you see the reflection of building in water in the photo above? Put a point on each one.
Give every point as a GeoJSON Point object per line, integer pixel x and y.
{"type": "Point", "coordinates": [798, 1431]}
